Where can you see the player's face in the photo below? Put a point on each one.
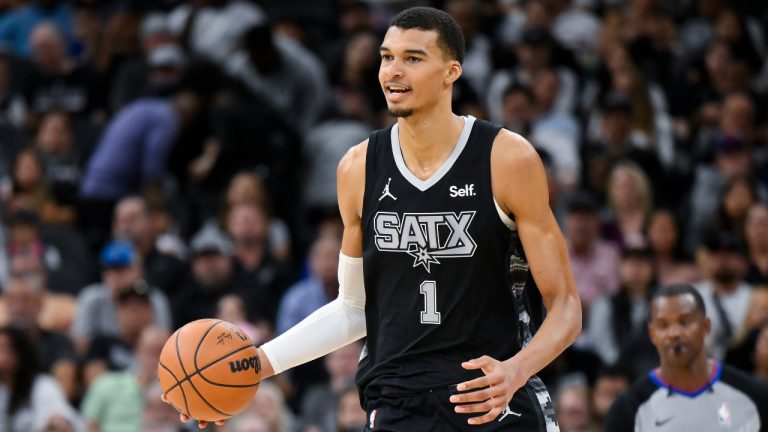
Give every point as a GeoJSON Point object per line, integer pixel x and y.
{"type": "Point", "coordinates": [414, 71]}
{"type": "Point", "coordinates": [678, 329]}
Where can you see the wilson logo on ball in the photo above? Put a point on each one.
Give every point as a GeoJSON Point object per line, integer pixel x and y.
{"type": "Point", "coordinates": [245, 364]}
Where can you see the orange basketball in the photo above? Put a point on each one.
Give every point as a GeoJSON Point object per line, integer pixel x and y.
{"type": "Point", "coordinates": [209, 370]}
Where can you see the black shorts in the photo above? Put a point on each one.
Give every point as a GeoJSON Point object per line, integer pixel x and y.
{"type": "Point", "coordinates": [530, 410]}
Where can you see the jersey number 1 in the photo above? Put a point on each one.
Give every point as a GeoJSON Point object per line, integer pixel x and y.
{"type": "Point", "coordinates": [429, 315]}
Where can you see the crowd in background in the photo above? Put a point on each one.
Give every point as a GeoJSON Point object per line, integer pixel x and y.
{"type": "Point", "coordinates": [163, 161]}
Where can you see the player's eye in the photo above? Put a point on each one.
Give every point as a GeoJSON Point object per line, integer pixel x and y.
{"type": "Point", "coordinates": [413, 59]}
{"type": "Point", "coordinates": [386, 57]}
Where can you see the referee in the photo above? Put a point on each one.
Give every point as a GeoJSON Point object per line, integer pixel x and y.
{"type": "Point", "coordinates": [688, 392]}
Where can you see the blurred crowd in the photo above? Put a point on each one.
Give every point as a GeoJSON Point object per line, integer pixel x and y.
{"type": "Point", "coordinates": [163, 161]}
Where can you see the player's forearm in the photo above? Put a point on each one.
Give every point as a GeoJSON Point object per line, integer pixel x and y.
{"type": "Point", "coordinates": [559, 330]}
{"type": "Point", "coordinates": [331, 327]}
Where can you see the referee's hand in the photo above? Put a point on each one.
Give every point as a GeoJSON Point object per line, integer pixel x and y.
{"type": "Point", "coordinates": [492, 392]}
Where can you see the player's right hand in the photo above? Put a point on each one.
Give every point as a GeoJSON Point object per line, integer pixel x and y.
{"type": "Point", "coordinates": [185, 418]}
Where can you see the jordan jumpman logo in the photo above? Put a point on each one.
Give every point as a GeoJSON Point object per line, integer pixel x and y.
{"type": "Point", "coordinates": [386, 192]}
{"type": "Point", "coordinates": [507, 411]}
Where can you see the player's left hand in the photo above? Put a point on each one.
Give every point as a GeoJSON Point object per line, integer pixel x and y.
{"type": "Point", "coordinates": [493, 391]}
{"type": "Point", "coordinates": [202, 424]}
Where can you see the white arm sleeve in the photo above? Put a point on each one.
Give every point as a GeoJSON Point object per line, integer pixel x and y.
{"type": "Point", "coordinates": [329, 328]}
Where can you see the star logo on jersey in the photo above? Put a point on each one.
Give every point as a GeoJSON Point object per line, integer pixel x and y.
{"type": "Point", "coordinates": [427, 237]}
{"type": "Point", "coordinates": [422, 257]}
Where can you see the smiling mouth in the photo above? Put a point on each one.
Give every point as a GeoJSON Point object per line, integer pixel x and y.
{"type": "Point", "coordinates": [397, 89]}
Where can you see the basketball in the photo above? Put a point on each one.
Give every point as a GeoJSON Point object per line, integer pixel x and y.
{"type": "Point", "coordinates": [209, 370]}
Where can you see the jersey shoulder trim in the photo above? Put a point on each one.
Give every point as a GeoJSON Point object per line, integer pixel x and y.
{"type": "Point", "coordinates": [713, 378]}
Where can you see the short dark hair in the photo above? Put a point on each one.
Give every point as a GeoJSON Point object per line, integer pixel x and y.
{"type": "Point", "coordinates": [678, 290]}
{"type": "Point", "coordinates": [450, 38]}
{"type": "Point", "coordinates": [521, 89]}
{"type": "Point", "coordinates": [615, 371]}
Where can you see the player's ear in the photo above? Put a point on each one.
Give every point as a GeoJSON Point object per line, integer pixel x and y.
{"type": "Point", "coordinates": [454, 72]}
{"type": "Point", "coordinates": [707, 325]}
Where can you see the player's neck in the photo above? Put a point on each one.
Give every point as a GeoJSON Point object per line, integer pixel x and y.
{"type": "Point", "coordinates": [428, 138]}
{"type": "Point", "coordinates": [688, 379]}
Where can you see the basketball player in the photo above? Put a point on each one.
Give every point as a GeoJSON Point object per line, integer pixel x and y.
{"type": "Point", "coordinates": [443, 215]}
{"type": "Point", "coordinates": [688, 382]}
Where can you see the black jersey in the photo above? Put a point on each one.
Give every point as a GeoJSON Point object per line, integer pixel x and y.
{"type": "Point", "coordinates": [436, 257]}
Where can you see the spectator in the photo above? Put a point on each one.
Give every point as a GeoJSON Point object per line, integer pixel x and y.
{"type": "Point", "coordinates": [324, 147]}
{"type": "Point", "coordinates": [757, 314]}
{"type": "Point", "coordinates": [31, 401]}
{"type": "Point", "coordinates": [572, 408]}
{"type": "Point", "coordinates": [663, 234]}
{"type": "Point", "coordinates": [736, 198]}
{"type": "Point", "coordinates": [131, 154]}
{"type": "Point", "coordinates": [133, 222]}
{"type": "Point", "coordinates": [517, 105]}
{"type": "Point", "coordinates": [58, 255]}
{"type": "Point", "coordinates": [349, 415]}
{"type": "Point", "coordinates": [13, 109]}
{"type": "Point", "coordinates": [616, 326]}
{"type": "Point", "coordinates": [740, 32]}
{"type": "Point", "coordinates": [213, 28]}
{"type": "Point", "coordinates": [610, 383]}
{"type": "Point", "coordinates": [57, 80]}
{"type": "Point", "coordinates": [155, 71]}
{"type": "Point", "coordinates": [132, 151]}
{"type": "Point", "coordinates": [576, 28]}
{"type": "Point", "coordinates": [357, 89]}
{"type": "Point", "coordinates": [24, 299]}
{"type": "Point", "coordinates": [318, 406]}
{"type": "Point", "coordinates": [17, 25]}
{"type": "Point", "coordinates": [269, 405]}
{"type": "Point", "coordinates": [650, 124]}
{"type": "Point", "coordinates": [745, 354]}
{"type": "Point", "coordinates": [28, 189]}
{"type": "Point", "coordinates": [649, 32]}
{"type": "Point", "coordinates": [630, 202]}
{"type": "Point", "coordinates": [115, 353]}
{"type": "Point", "coordinates": [116, 400]}
{"type": "Point", "coordinates": [232, 309]}
{"type": "Point", "coordinates": [164, 227]}
{"type": "Point", "coordinates": [317, 289]}
{"type": "Point", "coordinates": [756, 231]}
{"type": "Point", "coordinates": [247, 188]}
{"type": "Point", "coordinates": [249, 422]}
{"type": "Point", "coordinates": [687, 380]}
{"type": "Point", "coordinates": [260, 279]}
{"type": "Point", "coordinates": [535, 55]}
{"type": "Point", "coordinates": [281, 72]}
{"type": "Point", "coordinates": [96, 304]}
{"type": "Point", "coordinates": [61, 159]}
{"type": "Point", "coordinates": [211, 279]}
{"type": "Point", "coordinates": [732, 159]}
{"type": "Point", "coordinates": [556, 131]}
{"type": "Point", "coordinates": [477, 56]}
{"type": "Point", "coordinates": [153, 75]}
{"type": "Point", "coordinates": [615, 143]}
{"type": "Point", "coordinates": [158, 416]}
{"type": "Point", "coordinates": [725, 293]}
{"type": "Point", "coordinates": [594, 261]}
